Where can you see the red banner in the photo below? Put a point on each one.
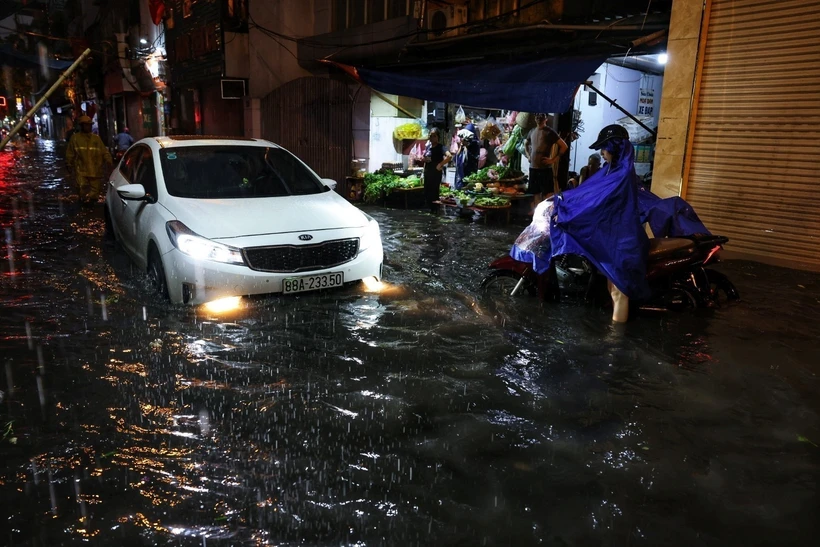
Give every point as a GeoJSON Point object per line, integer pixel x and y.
{"type": "Point", "coordinates": [157, 9]}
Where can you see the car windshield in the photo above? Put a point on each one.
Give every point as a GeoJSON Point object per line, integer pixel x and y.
{"type": "Point", "coordinates": [229, 172]}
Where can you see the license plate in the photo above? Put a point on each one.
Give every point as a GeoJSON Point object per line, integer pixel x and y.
{"type": "Point", "coordinates": [312, 282]}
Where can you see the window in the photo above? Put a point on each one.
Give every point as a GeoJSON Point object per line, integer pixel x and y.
{"type": "Point", "coordinates": [129, 163]}
{"type": "Point", "coordinates": [397, 8]}
{"type": "Point", "coordinates": [340, 15]}
{"type": "Point", "coordinates": [356, 16]}
{"type": "Point", "coordinates": [375, 10]}
{"type": "Point", "coordinates": [355, 13]}
{"type": "Point", "coordinates": [145, 172]}
{"type": "Point", "coordinates": [231, 172]}
{"type": "Point", "coordinates": [235, 15]}
{"type": "Point", "coordinates": [182, 47]}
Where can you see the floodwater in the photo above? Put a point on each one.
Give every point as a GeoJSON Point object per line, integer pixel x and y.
{"type": "Point", "coordinates": [424, 415]}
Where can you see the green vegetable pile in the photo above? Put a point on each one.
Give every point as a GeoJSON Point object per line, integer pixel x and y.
{"type": "Point", "coordinates": [483, 175]}
{"type": "Point", "coordinates": [381, 183]}
{"type": "Point", "coordinates": [463, 198]}
{"type": "Point", "coordinates": [495, 201]}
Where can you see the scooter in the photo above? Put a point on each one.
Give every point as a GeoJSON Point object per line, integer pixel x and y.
{"type": "Point", "coordinates": [677, 274]}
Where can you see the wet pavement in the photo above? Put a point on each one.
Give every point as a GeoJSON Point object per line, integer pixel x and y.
{"type": "Point", "coordinates": [424, 415]}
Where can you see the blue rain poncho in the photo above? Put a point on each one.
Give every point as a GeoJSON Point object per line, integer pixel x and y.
{"type": "Point", "coordinates": [602, 220]}
{"type": "Point", "coordinates": [669, 217]}
{"type": "Point", "coordinates": [599, 220]}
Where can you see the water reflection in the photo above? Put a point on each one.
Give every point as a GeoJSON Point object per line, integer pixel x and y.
{"type": "Point", "coordinates": [420, 414]}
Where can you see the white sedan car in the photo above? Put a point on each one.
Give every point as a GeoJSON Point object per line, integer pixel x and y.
{"type": "Point", "coordinates": [209, 218]}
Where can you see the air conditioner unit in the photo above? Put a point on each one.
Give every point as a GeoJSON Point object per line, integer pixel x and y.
{"type": "Point", "coordinates": [445, 21]}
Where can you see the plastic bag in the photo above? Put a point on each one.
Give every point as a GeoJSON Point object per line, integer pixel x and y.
{"type": "Point", "coordinates": [461, 117]}
{"type": "Point", "coordinates": [407, 131]}
{"type": "Point", "coordinates": [525, 121]}
{"type": "Point", "coordinates": [490, 130]}
{"type": "Point", "coordinates": [482, 158]}
{"type": "Point", "coordinates": [455, 145]}
{"type": "Point", "coordinates": [417, 154]}
{"type": "Point", "coordinates": [515, 138]}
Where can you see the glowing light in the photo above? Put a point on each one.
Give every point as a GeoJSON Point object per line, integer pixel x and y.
{"type": "Point", "coordinates": [143, 41]}
{"type": "Point", "coordinates": [371, 284]}
{"type": "Point", "coordinates": [712, 253]}
{"type": "Point", "coordinates": [223, 305]}
{"type": "Point", "coordinates": [663, 58]}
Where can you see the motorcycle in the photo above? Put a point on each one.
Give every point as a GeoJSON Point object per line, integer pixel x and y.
{"type": "Point", "coordinates": [677, 274]}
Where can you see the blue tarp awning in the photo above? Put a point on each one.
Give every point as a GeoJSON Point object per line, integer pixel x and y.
{"type": "Point", "coordinates": [542, 85]}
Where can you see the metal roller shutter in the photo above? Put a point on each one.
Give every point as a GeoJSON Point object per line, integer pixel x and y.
{"type": "Point", "coordinates": [753, 172]}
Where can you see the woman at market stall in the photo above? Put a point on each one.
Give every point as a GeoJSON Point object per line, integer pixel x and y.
{"type": "Point", "coordinates": [435, 158]}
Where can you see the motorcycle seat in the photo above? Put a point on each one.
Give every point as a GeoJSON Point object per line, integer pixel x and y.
{"type": "Point", "coordinates": [661, 247]}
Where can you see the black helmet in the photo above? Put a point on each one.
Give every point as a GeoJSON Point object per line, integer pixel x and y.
{"type": "Point", "coordinates": [609, 132]}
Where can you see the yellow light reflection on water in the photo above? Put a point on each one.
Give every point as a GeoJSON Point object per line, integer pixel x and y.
{"type": "Point", "coordinates": [223, 305]}
{"type": "Point", "coordinates": [371, 284]}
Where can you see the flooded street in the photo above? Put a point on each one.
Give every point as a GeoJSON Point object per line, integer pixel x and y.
{"type": "Point", "coordinates": [421, 415]}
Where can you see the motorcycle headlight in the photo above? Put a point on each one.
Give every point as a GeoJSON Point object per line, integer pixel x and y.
{"type": "Point", "coordinates": [371, 236]}
{"type": "Point", "coordinates": [201, 248]}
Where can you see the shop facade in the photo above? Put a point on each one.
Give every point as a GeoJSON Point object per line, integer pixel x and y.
{"type": "Point", "coordinates": [748, 149]}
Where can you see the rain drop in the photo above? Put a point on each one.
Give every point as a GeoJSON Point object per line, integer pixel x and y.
{"type": "Point", "coordinates": [28, 335]}
{"type": "Point", "coordinates": [41, 391]}
{"type": "Point", "coordinates": [10, 252]}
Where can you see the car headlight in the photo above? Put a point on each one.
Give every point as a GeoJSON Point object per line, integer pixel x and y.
{"type": "Point", "coordinates": [371, 236]}
{"type": "Point", "coordinates": [199, 247]}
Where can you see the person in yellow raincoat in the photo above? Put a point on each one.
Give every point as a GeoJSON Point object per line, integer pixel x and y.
{"type": "Point", "coordinates": [87, 159]}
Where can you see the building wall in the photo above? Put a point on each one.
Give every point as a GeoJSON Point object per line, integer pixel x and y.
{"type": "Point", "coordinates": [678, 89]}
{"type": "Point", "coordinates": [237, 55]}
{"type": "Point", "coordinates": [620, 84]}
{"type": "Point", "coordinates": [273, 60]}
{"type": "Point", "coordinates": [220, 116]}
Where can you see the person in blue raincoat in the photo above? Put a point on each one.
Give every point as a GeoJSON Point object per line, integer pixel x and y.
{"type": "Point", "coordinates": [601, 221]}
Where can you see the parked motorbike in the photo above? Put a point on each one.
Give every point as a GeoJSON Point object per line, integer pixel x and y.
{"type": "Point", "coordinates": [677, 273]}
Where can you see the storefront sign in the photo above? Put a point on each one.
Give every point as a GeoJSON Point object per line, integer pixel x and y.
{"type": "Point", "coordinates": [646, 103]}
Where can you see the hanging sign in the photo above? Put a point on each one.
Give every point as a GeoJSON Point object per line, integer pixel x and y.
{"type": "Point", "coordinates": [646, 102]}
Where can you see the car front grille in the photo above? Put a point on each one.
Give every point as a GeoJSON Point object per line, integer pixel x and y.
{"type": "Point", "coordinates": [301, 258]}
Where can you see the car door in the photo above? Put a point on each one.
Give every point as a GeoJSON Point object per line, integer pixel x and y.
{"type": "Point", "coordinates": [117, 207]}
{"type": "Point", "coordinates": [139, 215]}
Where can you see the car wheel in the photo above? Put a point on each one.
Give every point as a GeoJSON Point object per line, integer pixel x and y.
{"type": "Point", "coordinates": [108, 234]}
{"type": "Point", "coordinates": [157, 273]}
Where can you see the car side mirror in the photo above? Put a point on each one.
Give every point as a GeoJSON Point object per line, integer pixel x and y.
{"type": "Point", "coordinates": [135, 192]}
{"type": "Point", "coordinates": [330, 183]}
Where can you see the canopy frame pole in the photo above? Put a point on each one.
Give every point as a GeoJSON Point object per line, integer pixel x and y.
{"type": "Point", "coordinates": [391, 103]}
{"type": "Point", "coordinates": [614, 103]}
{"type": "Point", "coordinates": [43, 99]}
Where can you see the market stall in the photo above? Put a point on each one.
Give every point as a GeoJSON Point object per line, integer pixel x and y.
{"type": "Point", "coordinates": [490, 189]}
{"type": "Point", "coordinates": [486, 172]}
